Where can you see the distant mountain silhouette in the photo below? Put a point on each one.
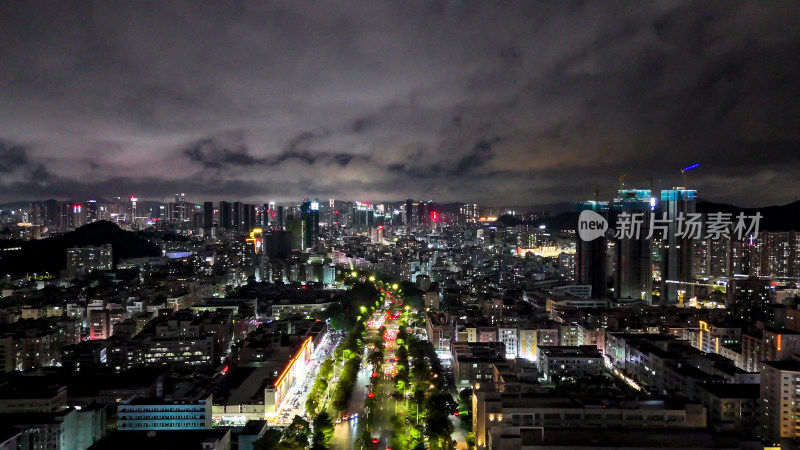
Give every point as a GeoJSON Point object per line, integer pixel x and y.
{"type": "Point", "coordinates": [774, 218]}
{"type": "Point", "coordinates": [50, 255]}
{"type": "Point", "coordinates": [508, 221]}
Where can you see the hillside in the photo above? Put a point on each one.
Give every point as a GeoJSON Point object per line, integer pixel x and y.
{"type": "Point", "coordinates": [50, 255]}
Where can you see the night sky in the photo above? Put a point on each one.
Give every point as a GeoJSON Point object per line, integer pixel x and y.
{"type": "Point", "coordinates": [501, 103]}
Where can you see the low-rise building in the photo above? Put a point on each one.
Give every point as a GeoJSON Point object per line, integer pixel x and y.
{"type": "Point", "coordinates": [565, 362]}
{"type": "Point", "coordinates": [473, 362]}
{"type": "Point", "coordinates": [490, 409]}
{"type": "Point", "coordinates": [213, 439]}
{"type": "Point", "coordinates": [731, 403]}
{"type": "Point", "coordinates": [158, 414]}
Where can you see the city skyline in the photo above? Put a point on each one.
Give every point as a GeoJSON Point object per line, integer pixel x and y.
{"type": "Point", "coordinates": [497, 104]}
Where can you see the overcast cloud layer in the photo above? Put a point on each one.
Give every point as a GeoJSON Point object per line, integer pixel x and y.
{"type": "Point", "coordinates": [496, 102]}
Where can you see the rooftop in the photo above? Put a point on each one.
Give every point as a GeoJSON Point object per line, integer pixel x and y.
{"type": "Point", "coordinates": [788, 366]}
{"type": "Point", "coordinates": [159, 440]}
{"type": "Point", "coordinates": [572, 438]}
{"type": "Point", "coordinates": [729, 390]}
{"type": "Point", "coordinates": [583, 351]}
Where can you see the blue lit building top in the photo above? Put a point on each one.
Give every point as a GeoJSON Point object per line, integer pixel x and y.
{"type": "Point", "coordinates": [638, 194]}
{"type": "Point", "coordinates": [592, 206]}
{"type": "Point", "coordinates": [678, 194]}
{"type": "Point", "coordinates": [633, 200]}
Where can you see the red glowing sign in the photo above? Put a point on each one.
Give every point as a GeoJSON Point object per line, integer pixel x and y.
{"type": "Point", "coordinates": [434, 216]}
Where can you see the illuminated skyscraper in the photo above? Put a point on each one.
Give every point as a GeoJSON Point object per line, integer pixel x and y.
{"type": "Point", "coordinates": [133, 207]}
{"type": "Point", "coordinates": [470, 212]}
{"type": "Point", "coordinates": [309, 213]}
{"type": "Point", "coordinates": [78, 215]}
{"type": "Point", "coordinates": [677, 252]}
{"type": "Point", "coordinates": [92, 214]}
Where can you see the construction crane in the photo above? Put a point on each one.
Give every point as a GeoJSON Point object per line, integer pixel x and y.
{"type": "Point", "coordinates": [598, 187]}
{"type": "Point", "coordinates": [650, 180]}
{"type": "Point", "coordinates": [686, 175]}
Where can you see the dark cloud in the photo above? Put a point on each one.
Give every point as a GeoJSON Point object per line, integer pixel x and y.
{"type": "Point", "coordinates": [296, 143]}
{"type": "Point", "coordinates": [363, 124]}
{"type": "Point", "coordinates": [12, 157]}
{"type": "Point", "coordinates": [210, 154]}
{"type": "Point", "coordinates": [480, 155]}
{"type": "Point", "coordinates": [491, 102]}
{"type": "Point", "coordinates": [19, 173]}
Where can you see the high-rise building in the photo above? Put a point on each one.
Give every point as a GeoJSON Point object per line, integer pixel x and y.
{"type": "Point", "coordinates": [92, 211]}
{"type": "Point", "coordinates": [81, 260]}
{"type": "Point", "coordinates": [277, 244]}
{"type": "Point", "coordinates": [309, 213]}
{"type": "Point", "coordinates": [78, 215]}
{"type": "Point", "coordinates": [281, 222]}
{"type": "Point", "coordinates": [265, 216]}
{"type": "Point", "coordinates": [415, 206]}
{"type": "Point", "coordinates": [633, 276]}
{"type": "Point", "coordinates": [52, 214]}
{"type": "Point", "coordinates": [408, 212]}
{"type": "Point", "coordinates": [36, 213]}
{"type": "Point", "coordinates": [181, 210]}
{"type": "Point", "coordinates": [133, 208]}
{"type": "Point", "coordinates": [64, 215]}
{"type": "Point", "coordinates": [779, 254]}
{"type": "Point", "coordinates": [236, 216]}
{"type": "Point", "coordinates": [208, 215]}
{"type": "Point", "coordinates": [591, 263]}
{"type": "Point", "coordinates": [297, 227]}
{"type": "Point", "coordinates": [225, 215]}
{"type": "Point", "coordinates": [424, 213]}
{"type": "Point", "coordinates": [376, 234]}
{"type": "Point", "coordinates": [254, 217]}
{"type": "Point", "coordinates": [470, 212]}
{"type": "Point", "coordinates": [677, 251]}
{"type": "Point", "coordinates": [246, 217]}
{"type": "Point", "coordinates": [780, 397]}
{"type": "Point", "coordinates": [749, 298]}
